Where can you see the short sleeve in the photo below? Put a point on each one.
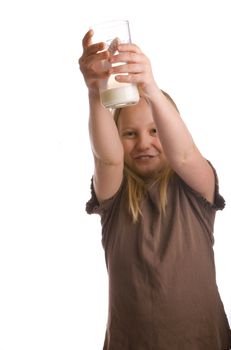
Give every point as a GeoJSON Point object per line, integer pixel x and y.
{"type": "Point", "coordinates": [218, 203]}
{"type": "Point", "coordinates": [94, 207]}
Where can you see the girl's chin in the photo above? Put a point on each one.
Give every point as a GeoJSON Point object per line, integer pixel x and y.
{"type": "Point", "coordinates": [147, 169]}
{"type": "Point", "coordinates": [147, 173]}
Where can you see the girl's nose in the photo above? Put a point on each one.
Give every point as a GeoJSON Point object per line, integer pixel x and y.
{"type": "Point", "coordinates": [144, 142]}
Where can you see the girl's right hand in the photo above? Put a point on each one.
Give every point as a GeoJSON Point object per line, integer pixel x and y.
{"type": "Point", "coordinates": [92, 62]}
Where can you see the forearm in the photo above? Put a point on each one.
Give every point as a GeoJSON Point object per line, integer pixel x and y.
{"type": "Point", "coordinates": [175, 138]}
{"type": "Point", "coordinates": [105, 141]}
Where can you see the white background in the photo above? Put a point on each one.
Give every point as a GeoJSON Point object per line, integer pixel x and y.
{"type": "Point", "coordinates": [53, 280]}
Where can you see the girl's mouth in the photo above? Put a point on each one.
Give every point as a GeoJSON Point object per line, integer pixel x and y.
{"type": "Point", "coordinates": [144, 157]}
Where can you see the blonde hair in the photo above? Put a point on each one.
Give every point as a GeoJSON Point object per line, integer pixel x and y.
{"type": "Point", "coordinates": [137, 187]}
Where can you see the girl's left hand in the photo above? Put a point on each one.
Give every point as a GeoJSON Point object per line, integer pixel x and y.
{"type": "Point", "coordinates": [135, 68]}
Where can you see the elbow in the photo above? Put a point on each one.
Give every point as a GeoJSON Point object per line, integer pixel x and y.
{"type": "Point", "coordinates": [115, 161]}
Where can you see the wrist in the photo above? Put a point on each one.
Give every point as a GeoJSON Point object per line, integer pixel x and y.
{"type": "Point", "coordinates": [94, 99]}
{"type": "Point", "coordinates": [93, 94]}
{"type": "Point", "coordinates": [150, 89]}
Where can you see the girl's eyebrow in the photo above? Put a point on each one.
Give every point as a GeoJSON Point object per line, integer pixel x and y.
{"type": "Point", "coordinates": [150, 125]}
{"type": "Point", "coordinates": [128, 127]}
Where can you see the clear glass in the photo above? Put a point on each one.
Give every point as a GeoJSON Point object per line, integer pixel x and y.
{"type": "Point", "coordinates": [114, 94]}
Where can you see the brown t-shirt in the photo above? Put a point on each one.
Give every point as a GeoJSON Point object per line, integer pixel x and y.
{"type": "Point", "coordinates": [162, 284]}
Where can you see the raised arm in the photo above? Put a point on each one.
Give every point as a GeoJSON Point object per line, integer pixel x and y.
{"type": "Point", "coordinates": [106, 145]}
{"type": "Point", "coordinates": [179, 147]}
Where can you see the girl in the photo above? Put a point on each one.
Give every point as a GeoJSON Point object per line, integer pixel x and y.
{"type": "Point", "coordinates": [157, 197]}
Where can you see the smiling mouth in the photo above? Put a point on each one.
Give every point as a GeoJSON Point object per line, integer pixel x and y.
{"type": "Point", "coordinates": [144, 157]}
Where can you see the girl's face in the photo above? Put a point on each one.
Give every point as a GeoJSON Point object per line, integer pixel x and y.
{"type": "Point", "coordinates": [143, 152]}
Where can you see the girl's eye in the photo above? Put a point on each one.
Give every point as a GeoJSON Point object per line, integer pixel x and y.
{"type": "Point", "coordinates": [129, 134]}
{"type": "Point", "coordinates": [153, 132]}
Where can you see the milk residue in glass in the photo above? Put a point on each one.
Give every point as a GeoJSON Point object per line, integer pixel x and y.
{"type": "Point", "coordinates": [115, 94]}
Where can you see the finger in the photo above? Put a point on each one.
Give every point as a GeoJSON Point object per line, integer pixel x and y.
{"type": "Point", "coordinates": [126, 57]}
{"type": "Point", "coordinates": [94, 48]}
{"type": "Point", "coordinates": [91, 59]}
{"type": "Point", "coordinates": [128, 78]}
{"type": "Point", "coordinates": [88, 46]}
{"type": "Point", "coordinates": [87, 39]}
{"type": "Point", "coordinates": [129, 47]}
{"type": "Point", "coordinates": [127, 68]}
